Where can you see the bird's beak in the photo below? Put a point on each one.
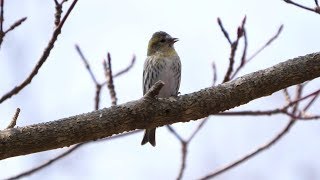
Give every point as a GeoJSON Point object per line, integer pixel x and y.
{"type": "Point", "coordinates": [173, 40]}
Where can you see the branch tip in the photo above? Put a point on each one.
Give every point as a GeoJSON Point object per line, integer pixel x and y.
{"type": "Point", "coordinates": [14, 119]}
{"type": "Point", "coordinates": [154, 90]}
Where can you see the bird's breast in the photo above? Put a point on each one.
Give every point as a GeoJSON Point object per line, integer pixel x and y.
{"type": "Point", "coordinates": [168, 76]}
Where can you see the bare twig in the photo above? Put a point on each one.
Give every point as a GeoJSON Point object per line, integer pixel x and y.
{"type": "Point", "coordinates": [231, 60]}
{"type": "Point", "coordinates": [184, 152]}
{"type": "Point", "coordinates": [253, 153]}
{"type": "Point", "coordinates": [39, 167]}
{"type": "Point", "coordinates": [316, 9]}
{"type": "Point", "coordinates": [57, 15]}
{"type": "Point", "coordinates": [14, 119]}
{"type": "Point", "coordinates": [1, 15]}
{"type": "Point", "coordinates": [214, 77]}
{"type": "Point", "coordinates": [174, 132]}
{"type": "Point", "coordinates": [244, 55]}
{"type": "Point", "coordinates": [61, 156]}
{"type": "Point", "coordinates": [93, 77]}
{"type": "Point", "coordinates": [244, 59]}
{"type": "Point", "coordinates": [42, 59]}
{"type": "Point", "coordinates": [225, 33]}
{"type": "Point", "coordinates": [266, 44]}
{"type": "Point", "coordinates": [109, 77]}
{"type": "Point", "coordinates": [97, 97]}
{"type": "Point", "coordinates": [264, 147]}
{"type": "Point", "coordinates": [283, 110]}
{"type": "Point", "coordinates": [86, 64]}
{"type": "Point", "coordinates": [300, 116]}
{"type": "Point", "coordinates": [312, 101]}
{"type": "Point", "coordinates": [286, 95]}
{"type": "Point", "coordinates": [303, 98]}
{"type": "Point", "coordinates": [154, 90]}
{"type": "Point", "coordinates": [125, 70]}
{"type": "Point", "coordinates": [185, 145]}
{"type": "Point", "coordinates": [14, 25]}
{"type": "Point", "coordinates": [198, 129]}
{"type": "Point", "coordinates": [234, 46]}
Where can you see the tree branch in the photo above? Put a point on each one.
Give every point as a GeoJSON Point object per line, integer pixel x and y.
{"type": "Point", "coordinates": [150, 112]}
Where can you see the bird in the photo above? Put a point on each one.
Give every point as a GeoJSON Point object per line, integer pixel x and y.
{"type": "Point", "coordinates": [162, 63]}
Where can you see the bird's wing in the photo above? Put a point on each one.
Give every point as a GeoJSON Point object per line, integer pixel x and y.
{"type": "Point", "coordinates": [151, 70]}
{"type": "Point", "coordinates": [176, 68]}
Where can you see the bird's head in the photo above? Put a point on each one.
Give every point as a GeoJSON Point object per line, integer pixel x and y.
{"type": "Point", "coordinates": [161, 42]}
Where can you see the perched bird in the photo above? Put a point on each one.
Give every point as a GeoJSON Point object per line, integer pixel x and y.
{"type": "Point", "coordinates": [162, 63]}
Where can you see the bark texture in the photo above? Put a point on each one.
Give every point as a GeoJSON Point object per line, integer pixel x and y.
{"type": "Point", "coordinates": [149, 112]}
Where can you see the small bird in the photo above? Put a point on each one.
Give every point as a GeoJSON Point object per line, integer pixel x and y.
{"type": "Point", "coordinates": [162, 63]}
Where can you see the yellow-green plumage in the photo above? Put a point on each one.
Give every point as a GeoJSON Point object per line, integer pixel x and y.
{"type": "Point", "coordinates": [162, 63]}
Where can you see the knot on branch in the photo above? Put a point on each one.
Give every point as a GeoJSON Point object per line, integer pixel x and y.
{"type": "Point", "coordinates": [153, 91]}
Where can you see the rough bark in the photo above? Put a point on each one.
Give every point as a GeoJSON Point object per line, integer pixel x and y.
{"type": "Point", "coordinates": [148, 112]}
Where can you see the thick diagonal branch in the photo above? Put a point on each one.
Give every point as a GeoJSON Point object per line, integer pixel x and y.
{"type": "Point", "coordinates": [146, 113]}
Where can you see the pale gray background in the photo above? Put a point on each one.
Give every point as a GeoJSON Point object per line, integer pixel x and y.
{"type": "Point", "coordinates": [63, 86]}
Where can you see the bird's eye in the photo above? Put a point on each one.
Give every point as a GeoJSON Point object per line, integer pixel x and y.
{"type": "Point", "coordinates": [162, 40]}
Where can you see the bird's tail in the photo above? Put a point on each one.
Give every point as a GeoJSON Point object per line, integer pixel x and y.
{"type": "Point", "coordinates": [149, 136]}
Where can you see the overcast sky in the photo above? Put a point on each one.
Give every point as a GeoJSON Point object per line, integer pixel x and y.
{"type": "Point", "coordinates": [63, 86]}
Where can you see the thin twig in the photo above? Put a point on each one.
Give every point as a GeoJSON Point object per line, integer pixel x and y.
{"type": "Point", "coordinates": [303, 98]}
{"type": "Point", "coordinates": [154, 90]}
{"type": "Point", "coordinates": [109, 77]}
{"type": "Point", "coordinates": [184, 145]}
{"type": "Point", "coordinates": [234, 46]}
{"type": "Point", "coordinates": [93, 77]}
{"type": "Point", "coordinates": [244, 55]}
{"type": "Point", "coordinates": [283, 110]}
{"type": "Point", "coordinates": [231, 61]}
{"type": "Point", "coordinates": [286, 95]}
{"type": "Point", "coordinates": [311, 102]}
{"type": "Point", "coordinates": [266, 44]}
{"type": "Point", "coordinates": [198, 129]}
{"type": "Point", "coordinates": [97, 97]}
{"type": "Point", "coordinates": [184, 152]}
{"type": "Point", "coordinates": [264, 147]}
{"type": "Point", "coordinates": [57, 15]}
{"type": "Point", "coordinates": [42, 59]}
{"type": "Point", "coordinates": [14, 119]}
{"type": "Point", "coordinates": [36, 169]}
{"type": "Point", "coordinates": [316, 10]}
{"type": "Point", "coordinates": [253, 153]}
{"type": "Point", "coordinates": [125, 70]}
{"type": "Point", "coordinates": [61, 156]}
{"type": "Point", "coordinates": [16, 24]}
{"type": "Point", "coordinates": [225, 33]}
{"type": "Point", "coordinates": [1, 15]}
{"type": "Point", "coordinates": [86, 64]}
{"type": "Point", "coordinates": [214, 77]}
{"type": "Point", "coordinates": [174, 132]}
